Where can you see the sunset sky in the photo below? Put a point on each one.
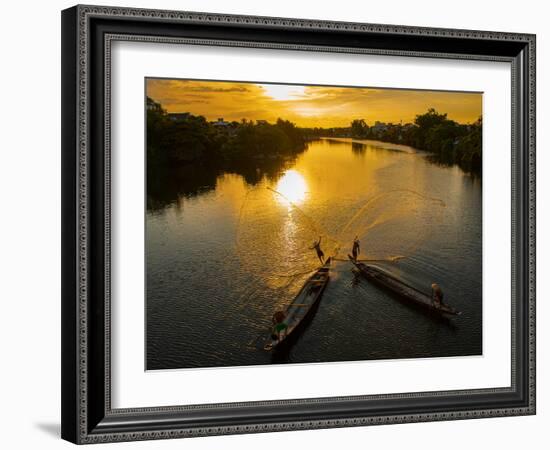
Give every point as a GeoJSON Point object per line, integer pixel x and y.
{"type": "Point", "coordinates": [308, 106]}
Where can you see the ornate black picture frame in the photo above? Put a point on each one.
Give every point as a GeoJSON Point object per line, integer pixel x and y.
{"type": "Point", "coordinates": [87, 34]}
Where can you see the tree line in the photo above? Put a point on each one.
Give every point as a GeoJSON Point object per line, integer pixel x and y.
{"type": "Point", "coordinates": [188, 138]}
{"type": "Point", "coordinates": [248, 145]}
{"type": "Point", "coordinates": [448, 141]}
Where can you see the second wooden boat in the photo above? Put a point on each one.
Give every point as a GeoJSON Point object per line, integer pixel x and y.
{"type": "Point", "coordinates": [287, 324]}
{"type": "Point", "coordinates": [403, 290]}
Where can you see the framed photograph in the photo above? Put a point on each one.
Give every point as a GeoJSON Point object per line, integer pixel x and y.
{"type": "Point", "coordinates": [279, 224]}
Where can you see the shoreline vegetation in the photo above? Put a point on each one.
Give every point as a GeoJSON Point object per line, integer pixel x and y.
{"type": "Point", "coordinates": [176, 142]}
{"type": "Point", "coordinates": [183, 138]}
{"type": "Point", "coordinates": [187, 153]}
{"type": "Point", "coordinates": [447, 142]}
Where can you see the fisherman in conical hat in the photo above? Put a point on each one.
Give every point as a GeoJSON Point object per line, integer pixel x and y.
{"type": "Point", "coordinates": [279, 325]}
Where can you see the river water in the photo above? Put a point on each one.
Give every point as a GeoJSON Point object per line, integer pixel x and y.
{"type": "Point", "coordinates": [224, 253]}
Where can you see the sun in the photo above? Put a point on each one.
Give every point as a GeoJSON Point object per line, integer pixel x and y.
{"type": "Point", "coordinates": [291, 188]}
{"type": "Point", "coordinates": [283, 92]}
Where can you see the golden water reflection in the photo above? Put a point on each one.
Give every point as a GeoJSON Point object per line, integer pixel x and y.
{"type": "Point", "coordinates": [291, 188]}
{"type": "Point", "coordinates": [226, 258]}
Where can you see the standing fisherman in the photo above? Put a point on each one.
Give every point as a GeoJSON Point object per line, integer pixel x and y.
{"type": "Point", "coordinates": [437, 295]}
{"type": "Point", "coordinates": [355, 250]}
{"type": "Point", "coordinates": [317, 247]}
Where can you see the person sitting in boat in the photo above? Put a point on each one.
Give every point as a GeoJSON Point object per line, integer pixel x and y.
{"type": "Point", "coordinates": [279, 326]}
{"type": "Point", "coordinates": [317, 247]}
{"type": "Point", "coordinates": [437, 295]}
{"type": "Point", "coordinates": [355, 250]}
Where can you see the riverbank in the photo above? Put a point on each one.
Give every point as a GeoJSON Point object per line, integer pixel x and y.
{"type": "Point", "coordinates": [447, 141]}
{"type": "Point", "coordinates": [183, 138]}
{"type": "Point", "coordinates": [381, 144]}
{"type": "Point", "coordinates": [186, 153]}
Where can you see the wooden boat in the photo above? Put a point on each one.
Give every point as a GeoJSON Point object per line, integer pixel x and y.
{"type": "Point", "coordinates": [403, 290]}
{"type": "Point", "coordinates": [300, 310]}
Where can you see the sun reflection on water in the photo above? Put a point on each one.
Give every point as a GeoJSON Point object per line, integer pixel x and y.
{"type": "Point", "coordinates": [291, 188]}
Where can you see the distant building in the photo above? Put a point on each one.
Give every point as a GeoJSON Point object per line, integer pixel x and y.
{"type": "Point", "coordinates": [175, 117]}
{"type": "Point", "coordinates": [221, 123]}
{"type": "Point", "coordinates": [379, 127]}
{"type": "Point", "coordinates": [261, 122]}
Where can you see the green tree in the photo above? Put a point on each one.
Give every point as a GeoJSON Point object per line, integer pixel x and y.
{"type": "Point", "coordinates": [359, 128]}
{"type": "Point", "coordinates": [469, 149]}
{"type": "Point", "coordinates": [425, 122]}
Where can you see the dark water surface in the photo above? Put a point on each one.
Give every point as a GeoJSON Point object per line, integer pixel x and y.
{"type": "Point", "coordinates": [222, 257]}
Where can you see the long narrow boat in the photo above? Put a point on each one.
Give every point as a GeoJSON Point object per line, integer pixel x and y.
{"type": "Point", "coordinates": [301, 309]}
{"type": "Point", "coordinates": [401, 289]}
